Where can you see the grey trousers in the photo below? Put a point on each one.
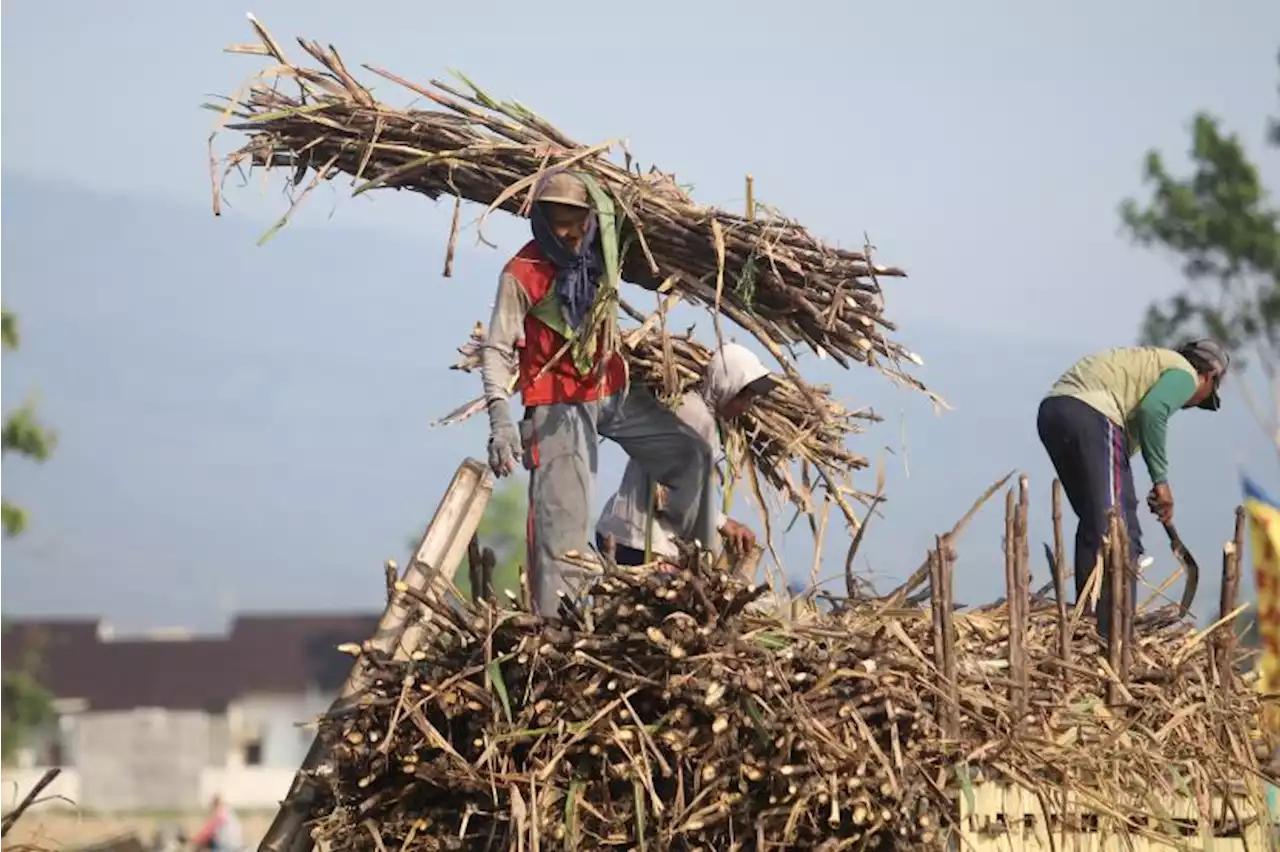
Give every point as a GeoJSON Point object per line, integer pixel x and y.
{"type": "Point", "coordinates": [561, 451]}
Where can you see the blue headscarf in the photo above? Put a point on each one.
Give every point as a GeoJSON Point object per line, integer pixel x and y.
{"type": "Point", "coordinates": [577, 273]}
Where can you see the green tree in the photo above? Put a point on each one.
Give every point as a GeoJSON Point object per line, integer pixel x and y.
{"type": "Point", "coordinates": [1221, 222]}
{"type": "Point", "coordinates": [25, 705]}
{"type": "Point", "coordinates": [22, 433]}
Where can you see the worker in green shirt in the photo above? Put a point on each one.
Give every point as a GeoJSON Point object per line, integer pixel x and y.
{"type": "Point", "coordinates": [1103, 410]}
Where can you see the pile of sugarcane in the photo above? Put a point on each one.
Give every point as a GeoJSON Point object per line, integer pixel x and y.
{"type": "Point", "coordinates": [672, 711]}
{"type": "Point", "coordinates": [781, 428]}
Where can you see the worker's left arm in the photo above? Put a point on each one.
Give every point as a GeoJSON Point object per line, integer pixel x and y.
{"type": "Point", "coordinates": [498, 361]}
{"type": "Point", "coordinates": [1170, 392]}
{"type": "Point", "coordinates": [498, 366]}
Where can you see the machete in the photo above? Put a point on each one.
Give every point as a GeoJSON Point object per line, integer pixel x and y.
{"type": "Point", "coordinates": [1188, 563]}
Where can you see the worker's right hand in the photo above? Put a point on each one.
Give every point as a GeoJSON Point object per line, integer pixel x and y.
{"type": "Point", "coordinates": [504, 440]}
{"type": "Point", "coordinates": [1160, 502]}
{"type": "Point", "coordinates": [739, 537]}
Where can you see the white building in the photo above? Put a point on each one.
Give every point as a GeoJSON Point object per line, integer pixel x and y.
{"type": "Point", "coordinates": [165, 721]}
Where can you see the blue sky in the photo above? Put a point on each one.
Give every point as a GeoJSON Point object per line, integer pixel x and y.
{"type": "Point", "coordinates": [247, 428]}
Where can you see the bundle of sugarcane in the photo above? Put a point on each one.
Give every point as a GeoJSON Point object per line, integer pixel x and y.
{"type": "Point", "coordinates": [766, 273]}
{"type": "Point", "coordinates": [780, 429]}
{"type": "Point", "coordinates": [666, 711]}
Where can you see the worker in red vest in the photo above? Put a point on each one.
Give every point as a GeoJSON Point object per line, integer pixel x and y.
{"type": "Point", "coordinates": [575, 394]}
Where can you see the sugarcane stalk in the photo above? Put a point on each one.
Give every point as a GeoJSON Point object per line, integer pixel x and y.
{"type": "Point", "coordinates": [1023, 590]}
{"type": "Point", "coordinates": [1113, 575]}
{"type": "Point", "coordinates": [1060, 576]}
{"type": "Point", "coordinates": [1226, 638]}
{"type": "Point", "coordinates": [1017, 696]}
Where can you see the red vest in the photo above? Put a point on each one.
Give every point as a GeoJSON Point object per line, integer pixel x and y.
{"type": "Point", "coordinates": [563, 382]}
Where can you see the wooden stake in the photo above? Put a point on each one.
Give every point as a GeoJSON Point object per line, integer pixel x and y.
{"type": "Point", "coordinates": [1060, 579]}
{"type": "Point", "coordinates": [751, 198]}
{"type": "Point", "coordinates": [475, 568]}
{"type": "Point", "coordinates": [1239, 536]}
{"type": "Point", "coordinates": [1016, 694]}
{"type": "Point", "coordinates": [946, 576]}
{"type": "Point", "coordinates": [1113, 577]}
{"type": "Point", "coordinates": [938, 604]}
{"type": "Point", "coordinates": [1022, 538]}
{"type": "Point", "coordinates": [1126, 570]}
{"type": "Point", "coordinates": [488, 562]}
{"type": "Point", "coordinates": [1225, 641]}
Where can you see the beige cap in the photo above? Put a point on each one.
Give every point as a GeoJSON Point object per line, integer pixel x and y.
{"type": "Point", "coordinates": [563, 188]}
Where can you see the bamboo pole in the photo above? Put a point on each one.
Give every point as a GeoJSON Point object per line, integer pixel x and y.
{"type": "Point", "coordinates": [1060, 579]}
{"type": "Point", "coordinates": [438, 553]}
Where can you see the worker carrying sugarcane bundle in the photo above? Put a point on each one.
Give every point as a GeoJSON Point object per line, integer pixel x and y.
{"type": "Point", "coordinates": [553, 337]}
{"type": "Point", "coordinates": [735, 378]}
{"type": "Point", "coordinates": [1102, 411]}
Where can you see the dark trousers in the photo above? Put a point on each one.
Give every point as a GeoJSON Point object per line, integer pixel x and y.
{"type": "Point", "coordinates": [1090, 454]}
{"type": "Point", "coordinates": [622, 554]}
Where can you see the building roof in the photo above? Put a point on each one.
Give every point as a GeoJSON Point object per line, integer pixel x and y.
{"type": "Point", "coordinates": [260, 654]}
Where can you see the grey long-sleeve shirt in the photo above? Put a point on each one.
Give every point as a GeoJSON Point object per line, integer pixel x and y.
{"type": "Point", "coordinates": [498, 362]}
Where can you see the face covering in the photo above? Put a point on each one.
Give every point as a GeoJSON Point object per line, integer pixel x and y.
{"type": "Point", "coordinates": [577, 273]}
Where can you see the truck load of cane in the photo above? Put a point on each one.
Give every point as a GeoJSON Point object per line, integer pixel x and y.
{"type": "Point", "coordinates": [697, 708]}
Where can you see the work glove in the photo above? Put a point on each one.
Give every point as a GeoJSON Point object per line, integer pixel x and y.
{"type": "Point", "coordinates": [504, 440]}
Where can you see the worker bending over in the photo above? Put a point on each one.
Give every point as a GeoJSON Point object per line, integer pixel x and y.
{"type": "Point", "coordinates": [1104, 409]}
{"type": "Point", "coordinates": [734, 379]}
{"type": "Point", "coordinates": [572, 394]}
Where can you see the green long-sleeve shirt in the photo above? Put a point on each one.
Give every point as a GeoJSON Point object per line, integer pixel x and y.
{"type": "Point", "coordinates": [1151, 422]}
{"type": "Point", "coordinates": [1136, 388]}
